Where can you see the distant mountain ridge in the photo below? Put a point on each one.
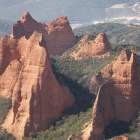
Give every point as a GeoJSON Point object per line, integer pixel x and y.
{"type": "Point", "coordinates": [5, 27]}
{"type": "Point", "coordinates": [116, 33]}
{"type": "Point", "coordinates": [82, 12]}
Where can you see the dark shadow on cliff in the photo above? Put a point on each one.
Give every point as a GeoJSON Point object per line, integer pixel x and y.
{"type": "Point", "coordinates": [83, 98]}
{"type": "Point", "coordinates": [116, 128]}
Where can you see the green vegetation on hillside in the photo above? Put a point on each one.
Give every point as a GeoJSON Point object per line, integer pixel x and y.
{"type": "Point", "coordinates": [116, 33]}
{"type": "Point", "coordinates": [76, 75]}
{"type": "Point", "coordinates": [82, 70]}
{"type": "Point", "coordinates": [5, 105]}
{"type": "Point", "coordinates": [63, 128]}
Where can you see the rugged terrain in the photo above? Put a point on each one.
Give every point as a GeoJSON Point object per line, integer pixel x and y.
{"type": "Point", "coordinates": [98, 47]}
{"type": "Point", "coordinates": [112, 68]}
{"type": "Point", "coordinates": [118, 98]}
{"type": "Point", "coordinates": [58, 34]}
{"type": "Point", "coordinates": [26, 76]}
{"type": "Point", "coordinates": [115, 98]}
{"type": "Point", "coordinates": [41, 90]}
{"type": "Point", "coordinates": [111, 71]}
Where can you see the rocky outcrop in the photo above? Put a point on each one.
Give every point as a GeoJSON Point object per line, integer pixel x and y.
{"type": "Point", "coordinates": [98, 79]}
{"type": "Point", "coordinates": [26, 76]}
{"type": "Point", "coordinates": [97, 47]}
{"type": "Point", "coordinates": [122, 59]}
{"type": "Point", "coordinates": [117, 98]}
{"type": "Point", "coordinates": [118, 95]}
{"type": "Point", "coordinates": [58, 34]}
{"type": "Point", "coordinates": [112, 68]}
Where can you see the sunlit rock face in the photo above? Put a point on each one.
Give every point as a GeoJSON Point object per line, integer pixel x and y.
{"type": "Point", "coordinates": [117, 98]}
{"type": "Point", "coordinates": [112, 68]}
{"type": "Point", "coordinates": [26, 76]}
{"type": "Point", "coordinates": [97, 47]}
{"type": "Point", "coordinates": [58, 34]}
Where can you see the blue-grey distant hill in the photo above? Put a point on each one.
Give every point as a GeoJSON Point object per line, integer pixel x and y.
{"type": "Point", "coordinates": [78, 11]}
{"type": "Point", "coordinates": [5, 27]}
{"type": "Point", "coordinates": [116, 33]}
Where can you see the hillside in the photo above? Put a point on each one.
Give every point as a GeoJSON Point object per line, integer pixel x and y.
{"type": "Point", "coordinates": [76, 74]}
{"type": "Point", "coordinates": [53, 97]}
{"type": "Point", "coordinates": [116, 33]}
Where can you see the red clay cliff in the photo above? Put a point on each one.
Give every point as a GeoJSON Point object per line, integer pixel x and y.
{"type": "Point", "coordinates": [97, 47]}
{"type": "Point", "coordinates": [26, 76]}
{"type": "Point", "coordinates": [117, 98]}
{"type": "Point", "coordinates": [58, 34]}
{"type": "Point", "coordinates": [112, 68]}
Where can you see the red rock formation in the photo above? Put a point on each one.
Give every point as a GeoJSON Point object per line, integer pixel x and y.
{"type": "Point", "coordinates": [112, 68]}
{"type": "Point", "coordinates": [97, 47]}
{"type": "Point", "coordinates": [117, 98]}
{"type": "Point", "coordinates": [123, 58]}
{"type": "Point", "coordinates": [37, 98]}
{"type": "Point", "coordinates": [18, 30]}
{"type": "Point", "coordinates": [58, 34]}
{"type": "Point", "coordinates": [117, 92]}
